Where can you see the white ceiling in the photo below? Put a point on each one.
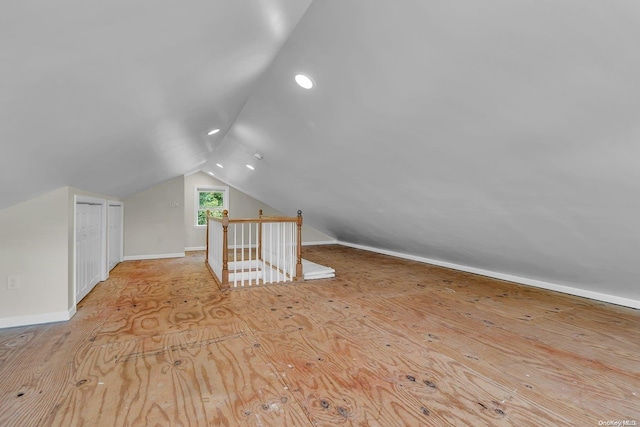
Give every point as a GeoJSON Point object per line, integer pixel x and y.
{"type": "Point", "coordinates": [116, 96]}
{"type": "Point", "coordinates": [499, 135]}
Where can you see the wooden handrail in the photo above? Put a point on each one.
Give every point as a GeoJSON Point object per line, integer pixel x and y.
{"type": "Point", "coordinates": [261, 218]}
{"type": "Point", "coordinates": [261, 215]}
{"type": "Point", "coordinates": [258, 220]}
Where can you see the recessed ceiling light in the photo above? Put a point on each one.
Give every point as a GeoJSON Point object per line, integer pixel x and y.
{"type": "Point", "coordinates": [304, 81]}
{"type": "Point", "coordinates": [219, 165]}
{"type": "Point", "coordinates": [251, 167]}
{"type": "Point", "coordinates": [210, 173]}
{"type": "Point", "coordinates": [257, 156]}
{"type": "Point", "coordinates": [213, 132]}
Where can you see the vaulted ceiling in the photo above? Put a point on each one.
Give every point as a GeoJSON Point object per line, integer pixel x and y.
{"type": "Point", "coordinates": [499, 135]}
{"type": "Point", "coordinates": [116, 96]}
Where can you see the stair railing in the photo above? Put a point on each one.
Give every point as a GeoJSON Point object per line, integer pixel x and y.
{"type": "Point", "coordinates": [244, 252]}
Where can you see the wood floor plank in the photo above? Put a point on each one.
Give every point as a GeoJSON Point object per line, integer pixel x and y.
{"type": "Point", "coordinates": [181, 379]}
{"type": "Point", "coordinates": [41, 360]}
{"type": "Point", "coordinates": [28, 399]}
{"type": "Point", "coordinates": [159, 315]}
{"type": "Point", "coordinates": [338, 379]}
{"type": "Point", "coordinates": [563, 381]}
{"type": "Point", "coordinates": [552, 333]}
{"type": "Point", "coordinates": [18, 341]}
{"type": "Point", "coordinates": [386, 342]}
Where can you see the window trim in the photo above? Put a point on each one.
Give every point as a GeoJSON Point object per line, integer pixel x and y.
{"type": "Point", "coordinates": [196, 200]}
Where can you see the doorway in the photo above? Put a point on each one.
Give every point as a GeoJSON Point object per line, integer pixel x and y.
{"type": "Point", "coordinates": [90, 244]}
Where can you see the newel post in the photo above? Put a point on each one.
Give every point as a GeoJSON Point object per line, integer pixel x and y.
{"type": "Point", "coordinates": [225, 250]}
{"type": "Point", "coordinates": [206, 258]}
{"type": "Point", "coordinates": [299, 274]}
{"type": "Point", "coordinates": [260, 234]}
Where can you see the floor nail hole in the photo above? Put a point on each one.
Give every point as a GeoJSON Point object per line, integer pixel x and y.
{"type": "Point", "coordinates": [344, 412]}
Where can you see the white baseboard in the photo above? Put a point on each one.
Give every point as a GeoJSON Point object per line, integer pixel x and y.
{"type": "Point", "coordinates": [321, 242]}
{"type": "Point", "coordinates": [598, 296]}
{"type": "Point", "coordinates": [36, 319]}
{"type": "Point", "coordinates": [153, 256]}
{"type": "Point", "coordinates": [195, 248]}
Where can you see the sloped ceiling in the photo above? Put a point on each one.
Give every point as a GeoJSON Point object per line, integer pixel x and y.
{"type": "Point", "coordinates": [496, 134]}
{"type": "Point", "coordinates": [115, 96]}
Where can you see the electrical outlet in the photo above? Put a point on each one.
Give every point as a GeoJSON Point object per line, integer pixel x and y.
{"type": "Point", "coordinates": [13, 282]}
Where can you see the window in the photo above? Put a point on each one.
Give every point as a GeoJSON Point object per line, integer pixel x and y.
{"type": "Point", "coordinates": [212, 199]}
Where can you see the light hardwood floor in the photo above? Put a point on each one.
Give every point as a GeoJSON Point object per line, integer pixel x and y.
{"type": "Point", "coordinates": [388, 342]}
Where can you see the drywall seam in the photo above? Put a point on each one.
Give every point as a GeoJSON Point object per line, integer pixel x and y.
{"type": "Point", "coordinates": [613, 299]}
{"type": "Point", "coordinates": [153, 256]}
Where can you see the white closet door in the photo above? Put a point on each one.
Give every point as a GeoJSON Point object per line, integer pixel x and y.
{"type": "Point", "coordinates": [88, 248]}
{"type": "Point", "coordinates": [115, 235]}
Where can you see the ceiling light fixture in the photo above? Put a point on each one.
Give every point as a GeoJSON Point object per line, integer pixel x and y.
{"type": "Point", "coordinates": [304, 81]}
{"type": "Point", "coordinates": [251, 167]}
{"type": "Point", "coordinates": [213, 132]}
{"type": "Point", "coordinates": [257, 156]}
{"type": "Point", "coordinates": [211, 173]}
{"type": "Point", "coordinates": [219, 165]}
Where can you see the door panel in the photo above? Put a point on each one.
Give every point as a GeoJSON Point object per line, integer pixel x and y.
{"type": "Point", "coordinates": [88, 247]}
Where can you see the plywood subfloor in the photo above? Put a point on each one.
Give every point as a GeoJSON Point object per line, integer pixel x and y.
{"type": "Point", "coordinates": [387, 342]}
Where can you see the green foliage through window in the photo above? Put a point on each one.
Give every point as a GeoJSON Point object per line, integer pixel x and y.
{"type": "Point", "coordinates": [212, 201]}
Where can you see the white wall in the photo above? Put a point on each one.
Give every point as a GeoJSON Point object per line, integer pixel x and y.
{"type": "Point", "coordinates": [312, 236]}
{"type": "Point", "coordinates": [33, 247]}
{"type": "Point", "coordinates": [154, 221]}
{"type": "Point", "coordinates": [37, 246]}
{"type": "Point", "coordinates": [241, 205]}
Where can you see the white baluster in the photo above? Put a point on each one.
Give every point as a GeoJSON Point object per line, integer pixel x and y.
{"type": "Point", "coordinates": [262, 254]}
{"type": "Point", "coordinates": [291, 231]}
{"type": "Point", "coordinates": [270, 252]}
